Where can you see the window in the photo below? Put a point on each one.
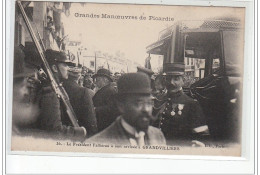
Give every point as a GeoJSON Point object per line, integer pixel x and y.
{"type": "Point", "coordinates": [92, 64]}
{"type": "Point", "coordinates": [215, 64]}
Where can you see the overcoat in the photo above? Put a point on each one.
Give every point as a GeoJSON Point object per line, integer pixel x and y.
{"type": "Point", "coordinates": [82, 105]}
{"type": "Point", "coordinates": [105, 106]}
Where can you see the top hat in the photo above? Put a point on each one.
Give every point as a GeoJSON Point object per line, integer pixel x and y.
{"type": "Point", "coordinates": [174, 68]}
{"type": "Point", "coordinates": [134, 83]}
{"type": "Point", "coordinates": [149, 72]}
{"type": "Point", "coordinates": [53, 56]}
{"type": "Point", "coordinates": [103, 72]}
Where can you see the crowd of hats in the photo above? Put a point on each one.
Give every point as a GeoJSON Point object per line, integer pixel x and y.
{"type": "Point", "coordinates": [139, 82]}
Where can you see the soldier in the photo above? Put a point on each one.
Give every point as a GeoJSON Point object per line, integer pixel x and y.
{"type": "Point", "coordinates": [135, 103]}
{"type": "Point", "coordinates": [52, 112]}
{"type": "Point", "coordinates": [81, 101]}
{"type": "Point", "coordinates": [105, 107]}
{"type": "Point", "coordinates": [180, 117]}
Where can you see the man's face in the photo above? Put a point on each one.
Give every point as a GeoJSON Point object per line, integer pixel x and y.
{"type": "Point", "coordinates": [24, 112]}
{"type": "Point", "coordinates": [63, 67]}
{"type": "Point", "coordinates": [137, 111]}
{"type": "Point", "coordinates": [174, 82]}
{"type": "Point", "coordinates": [21, 91]}
{"type": "Point", "coordinates": [101, 81]}
{"type": "Point", "coordinates": [158, 83]}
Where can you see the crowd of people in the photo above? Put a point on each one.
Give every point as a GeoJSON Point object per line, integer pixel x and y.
{"type": "Point", "coordinates": [138, 108]}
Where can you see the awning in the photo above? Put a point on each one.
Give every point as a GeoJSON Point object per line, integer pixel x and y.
{"type": "Point", "coordinates": [157, 47]}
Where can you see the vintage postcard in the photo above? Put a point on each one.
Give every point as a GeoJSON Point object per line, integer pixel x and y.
{"type": "Point", "coordinates": [127, 78]}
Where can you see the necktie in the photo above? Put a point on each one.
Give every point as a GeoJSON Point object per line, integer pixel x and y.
{"type": "Point", "coordinates": [140, 138]}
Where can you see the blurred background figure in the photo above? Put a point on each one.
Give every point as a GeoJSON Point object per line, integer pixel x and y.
{"type": "Point", "coordinates": [81, 101]}
{"type": "Point", "coordinates": [147, 71]}
{"type": "Point", "coordinates": [25, 111]}
{"type": "Point", "coordinates": [117, 75]}
{"type": "Point", "coordinates": [103, 100]}
{"type": "Point", "coordinates": [159, 85]}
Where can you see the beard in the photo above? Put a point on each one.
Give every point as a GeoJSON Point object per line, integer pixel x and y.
{"type": "Point", "coordinates": [24, 114]}
{"type": "Point", "coordinates": [143, 121]}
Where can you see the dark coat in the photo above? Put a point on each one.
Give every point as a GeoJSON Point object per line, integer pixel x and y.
{"type": "Point", "coordinates": [105, 106]}
{"type": "Point", "coordinates": [82, 105]}
{"type": "Point", "coordinates": [115, 134]}
{"type": "Point", "coordinates": [52, 114]}
{"type": "Point", "coordinates": [180, 115]}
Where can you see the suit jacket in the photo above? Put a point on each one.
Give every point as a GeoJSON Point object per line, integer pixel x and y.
{"type": "Point", "coordinates": [115, 134]}
{"type": "Point", "coordinates": [105, 106]}
{"type": "Point", "coordinates": [82, 105]}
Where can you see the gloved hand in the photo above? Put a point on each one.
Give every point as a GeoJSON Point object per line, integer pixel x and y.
{"type": "Point", "coordinates": [80, 132]}
{"type": "Point", "coordinates": [196, 143]}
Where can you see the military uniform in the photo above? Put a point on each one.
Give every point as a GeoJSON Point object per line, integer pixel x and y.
{"type": "Point", "coordinates": [53, 116]}
{"type": "Point", "coordinates": [180, 117]}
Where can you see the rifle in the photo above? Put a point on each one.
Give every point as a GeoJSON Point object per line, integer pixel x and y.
{"type": "Point", "coordinates": [59, 90]}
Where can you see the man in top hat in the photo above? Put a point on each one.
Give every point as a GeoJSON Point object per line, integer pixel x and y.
{"type": "Point", "coordinates": [81, 101]}
{"type": "Point", "coordinates": [180, 117]}
{"type": "Point", "coordinates": [105, 107]}
{"type": "Point", "coordinates": [135, 103]}
{"type": "Point", "coordinates": [52, 113]}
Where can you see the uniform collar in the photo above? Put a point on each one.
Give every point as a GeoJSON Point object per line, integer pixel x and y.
{"type": "Point", "coordinates": [176, 94]}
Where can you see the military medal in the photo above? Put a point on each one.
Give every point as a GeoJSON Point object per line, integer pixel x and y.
{"type": "Point", "coordinates": [173, 109]}
{"type": "Point", "coordinates": [180, 107]}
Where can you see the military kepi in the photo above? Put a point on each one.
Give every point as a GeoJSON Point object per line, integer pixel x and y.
{"type": "Point", "coordinates": [134, 83]}
{"type": "Point", "coordinates": [174, 68]}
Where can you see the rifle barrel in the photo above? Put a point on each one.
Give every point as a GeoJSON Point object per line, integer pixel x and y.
{"type": "Point", "coordinates": [59, 90]}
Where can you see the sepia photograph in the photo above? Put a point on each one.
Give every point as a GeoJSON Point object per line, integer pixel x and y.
{"type": "Point", "coordinates": [127, 78]}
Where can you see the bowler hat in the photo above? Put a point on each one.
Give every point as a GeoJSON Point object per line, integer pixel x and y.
{"type": "Point", "coordinates": [103, 72]}
{"type": "Point", "coordinates": [134, 83]}
{"type": "Point", "coordinates": [174, 68]}
{"type": "Point", "coordinates": [149, 72]}
{"type": "Point", "coordinates": [54, 56]}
